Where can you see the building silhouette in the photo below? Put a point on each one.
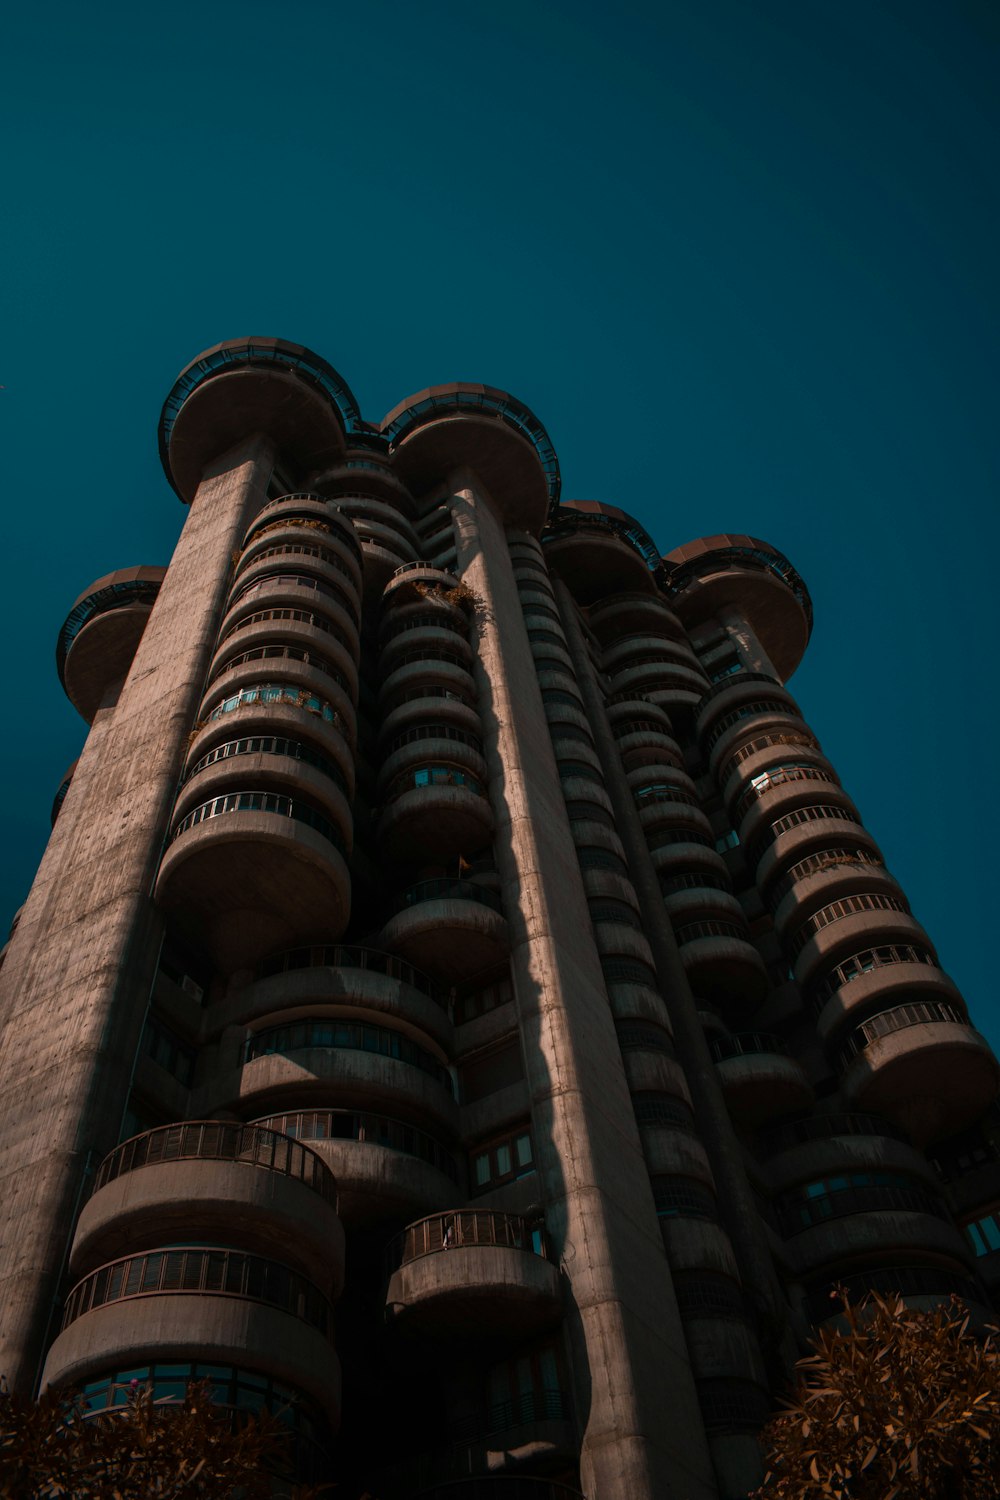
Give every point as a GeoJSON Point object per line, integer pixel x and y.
{"type": "Point", "coordinates": [456, 963]}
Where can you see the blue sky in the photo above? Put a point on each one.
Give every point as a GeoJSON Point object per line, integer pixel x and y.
{"type": "Point", "coordinates": [740, 257]}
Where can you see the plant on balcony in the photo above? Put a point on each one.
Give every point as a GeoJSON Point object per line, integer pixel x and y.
{"type": "Point", "coordinates": [895, 1404]}
{"type": "Point", "coordinates": [54, 1449]}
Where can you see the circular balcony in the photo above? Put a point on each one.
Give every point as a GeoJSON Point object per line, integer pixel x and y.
{"type": "Point", "coordinates": [325, 604]}
{"type": "Point", "coordinates": [366, 471]}
{"type": "Point", "coordinates": [769, 712]}
{"type": "Point", "coordinates": [759, 1080]}
{"type": "Point", "coordinates": [718, 574]}
{"type": "Point", "coordinates": [854, 1214]}
{"type": "Point", "coordinates": [626, 613]}
{"type": "Point", "coordinates": [819, 879]}
{"type": "Point", "coordinates": [205, 1178]}
{"type": "Point", "coordinates": [721, 963]}
{"type": "Point", "coordinates": [412, 582]}
{"type": "Point", "coordinates": [299, 636]}
{"type": "Point", "coordinates": [438, 809]}
{"type": "Point", "coordinates": [286, 552]}
{"type": "Point", "coordinates": [701, 890]}
{"type": "Point", "coordinates": [308, 507]}
{"type": "Point", "coordinates": [780, 793]}
{"type": "Point", "coordinates": [619, 654]}
{"type": "Point", "coordinates": [473, 1273]}
{"type": "Point", "coordinates": [826, 1145]}
{"type": "Point", "coordinates": [101, 632]}
{"type": "Point", "coordinates": [426, 706]}
{"type": "Point", "coordinates": [288, 716]}
{"type": "Point", "coordinates": [433, 741]}
{"type": "Point", "coordinates": [280, 764]}
{"type": "Point", "coordinates": [921, 1288]}
{"type": "Point", "coordinates": [922, 1066]}
{"type": "Point", "coordinates": [231, 1307]}
{"type": "Point", "coordinates": [599, 549]}
{"type": "Point", "coordinates": [254, 385]}
{"type": "Point", "coordinates": [455, 928]}
{"type": "Point", "coordinates": [427, 670]}
{"type": "Point", "coordinates": [820, 828]}
{"type": "Point", "coordinates": [661, 680]}
{"type": "Point", "coordinates": [847, 926]}
{"type": "Point", "coordinates": [461, 426]}
{"type": "Point", "coordinates": [417, 628]}
{"type": "Point", "coordinates": [251, 870]}
{"type": "Point", "coordinates": [362, 1065]}
{"type": "Point", "coordinates": [386, 1169]}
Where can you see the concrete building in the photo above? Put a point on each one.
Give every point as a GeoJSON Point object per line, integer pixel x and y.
{"type": "Point", "coordinates": [456, 964]}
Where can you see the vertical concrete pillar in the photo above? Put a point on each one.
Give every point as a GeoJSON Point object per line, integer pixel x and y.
{"type": "Point", "coordinates": [642, 1432]}
{"type": "Point", "coordinates": [75, 982]}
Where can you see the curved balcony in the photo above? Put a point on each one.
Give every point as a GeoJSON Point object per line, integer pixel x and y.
{"type": "Point", "coordinates": [643, 645]}
{"type": "Point", "coordinates": [366, 472]}
{"type": "Point", "coordinates": [759, 1080]}
{"type": "Point", "coordinates": [438, 807]}
{"type": "Point", "coordinates": [721, 963]}
{"type": "Point", "coordinates": [768, 711]}
{"type": "Point", "coordinates": [599, 549]}
{"type": "Point", "coordinates": [806, 833]}
{"type": "Point", "coordinates": [308, 507]}
{"type": "Point", "coordinates": [386, 1169]}
{"type": "Point", "coordinates": [855, 1214]}
{"type": "Point", "coordinates": [875, 978]}
{"type": "Point", "coordinates": [291, 635]}
{"type": "Point", "coordinates": [427, 705]}
{"type": "Point", "coordinates": [294, 589]}
{"type": "Point", "coordinates": [831, 874]}
{"type": "Point", "coordinates": [473, 1273]}
{"type": "Point", "coordinates": [701, 890]}
{"type": "Point", "coordinates": [368, 1066]}
{"type": "Point", "coordinates": [434, 741]}
{"type": "Point", "coordinates": [455, 928]}
{"type": "Point", "coordinates": [741, 573]}
{"type": "Point", "coordinates": [283, 766]}
{"type": "Point", "coordinates": [254, 869]}
{"type": "Point", "coordinates": [427, 671]}
{"type": "Point", "coordinates": [921, 1288]}
{"type": "Point", "coordinates": [231, 1307]}
{"type": "Point", "coordinates": [203, 1178]}
{"type": "Point", "coordinates": [254, 385]}
{"type": "Point", "coordinates": [662, 681]}
{"type": "Point", "coordinates": [846, 926]}
{"type": "Point", "coordinates": [921, 1065]}
{"type": "Point", "coordinates": [306, 534]}
{"type": "Point", "coordinates": [288, 554]}
{"type": "Point", "coordinates": [627, 613]}
{"type": "Point", "coordinates": [448, 427]}
{"type": "Point", "coordinates": [100, 634]}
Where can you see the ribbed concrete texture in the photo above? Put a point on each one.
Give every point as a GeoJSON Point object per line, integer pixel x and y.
{"type": "Point", "coordinates": [459, 1004]}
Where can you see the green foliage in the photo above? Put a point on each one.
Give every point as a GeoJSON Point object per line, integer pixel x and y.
{"type": "Point", "coordinates": [895, 1405]}
{"type": "Point", "coordinates": [53, 1449]}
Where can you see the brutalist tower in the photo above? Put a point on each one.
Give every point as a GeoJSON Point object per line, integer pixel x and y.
{"type": "Point", "coordinates": [459, 1004]}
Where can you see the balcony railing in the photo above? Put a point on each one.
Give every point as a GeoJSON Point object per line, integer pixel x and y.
{"type": "Point", "coordinates": [462, 1228]}
{"type": "Point", "coordinates": [284, 578]}
{"type": "Point", "coordinates": [217, 1140]}
{"type": "Point", "coordinates": [823, 1127]}
{"type": "Point", "coordinates": [847, 906]}
{"type": "Point", "coordinates": [204, 1272]}
{"type": "Point", "coordinates": [271, 744]}
{"type": "Point", "coordinates": [447, 890]}
{"type": "Point", "coordinates": [872, 1192]}
{"type": "Point", "coordinates": [859, 964]}
{"type": "Point", "coordinates": [736, 680]}
{"type": "Point", "coordinates": [339, 956]}
{"type": "Point", "coordinates": [747, 1044]}
{"type": "Point", "coordinates": [894, 1281]}
{"type": "Point", "coordinates": [526, 1409]}
{"type": "Point", "coordinates": [915, 1013]}
{"type": "Point", "coordinates": [267, 802]}
{"type": "Point", "coordinates": [350, 1036]}
{"type": "Point", "coordinates": [438, 776]}
{"type": "Point", "coordinates": [367, 1129]}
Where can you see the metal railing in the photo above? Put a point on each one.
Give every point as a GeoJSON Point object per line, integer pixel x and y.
{"type": "Point", "coordinates": [349, 1036]}
{"type": "Point", "coordinates": [285, 579]}
{"type": "Point", "coordinates": [267, 802]}
{"type": "Point", "coordinates": [420, 777]}
{"type": "Point", "coordinates": [691, 931]}
{"type": "Point", "coordinates": [819, 864]}
{"type": "Point", "coordinates": [270, 744]}
{"type": "Point", "coordinates": [747, 1044]}
{"type": "Point", "coordinates": [847, 906]}
{"type": "Point", "coordinates": [202, 1272]}
{"type": "Point", "coordinates": [296, 549]}
{"type": "Point", "coordinates": [462, 1228]}
{"type": "Point", "coordinates": [447, 890]}
{"type": "Point", "coordinates": [218, 1140]}
{"type": "Point", "coordinates": [738, 680]}
{"type": "Point", "coordinates": [915, 1013]}
{"type": "Point", "coordinates": [796, 1211]}
{"type": "Point", "coordinates": [136, 591]}
{"type": "Point", "coordinates": [367, 1129]}
{"type": "Point", "coordinates": [284, 694]}
{"type": "Point", "coordinates": [749, 711]}
{"type": "Point", "coordinates": [859, 964]}
{"type": "Point", "coordinates": [776, 776]}
{"type": "Point", "coordinates": [340, 956]}
{"type": "Point", "coordinates": [826, 1127]}
{"type": "Point", "coordinates": [440, 731]}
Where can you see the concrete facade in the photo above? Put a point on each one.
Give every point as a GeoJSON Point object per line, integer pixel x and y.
{"type": "Point", "coordinates": [458, 997]}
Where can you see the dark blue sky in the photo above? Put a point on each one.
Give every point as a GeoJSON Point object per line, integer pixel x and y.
{"type": "Point", "coordinates": [741, 259]}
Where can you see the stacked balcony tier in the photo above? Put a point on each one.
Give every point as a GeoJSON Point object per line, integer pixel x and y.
{"type": "Point", "coordinates": [473, 1273]}
{"type": "Point", "coordinates": [262, 828]}
{"type": "Point", "coordinates": [599, 549]}
{"type": "Point", "coordinates": [101, 632]}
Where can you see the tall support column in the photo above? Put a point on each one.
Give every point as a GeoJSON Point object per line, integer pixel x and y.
{"type": "Point", "coordinates": [637, 1404]}
{"type": "Point", "coordinates": [76, 978]}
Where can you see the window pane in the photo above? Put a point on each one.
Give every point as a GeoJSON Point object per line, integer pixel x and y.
{"type": "Point", "coordinates": [503, 1160]}
{"type": "Point", "coordinates": [482, 1169]}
